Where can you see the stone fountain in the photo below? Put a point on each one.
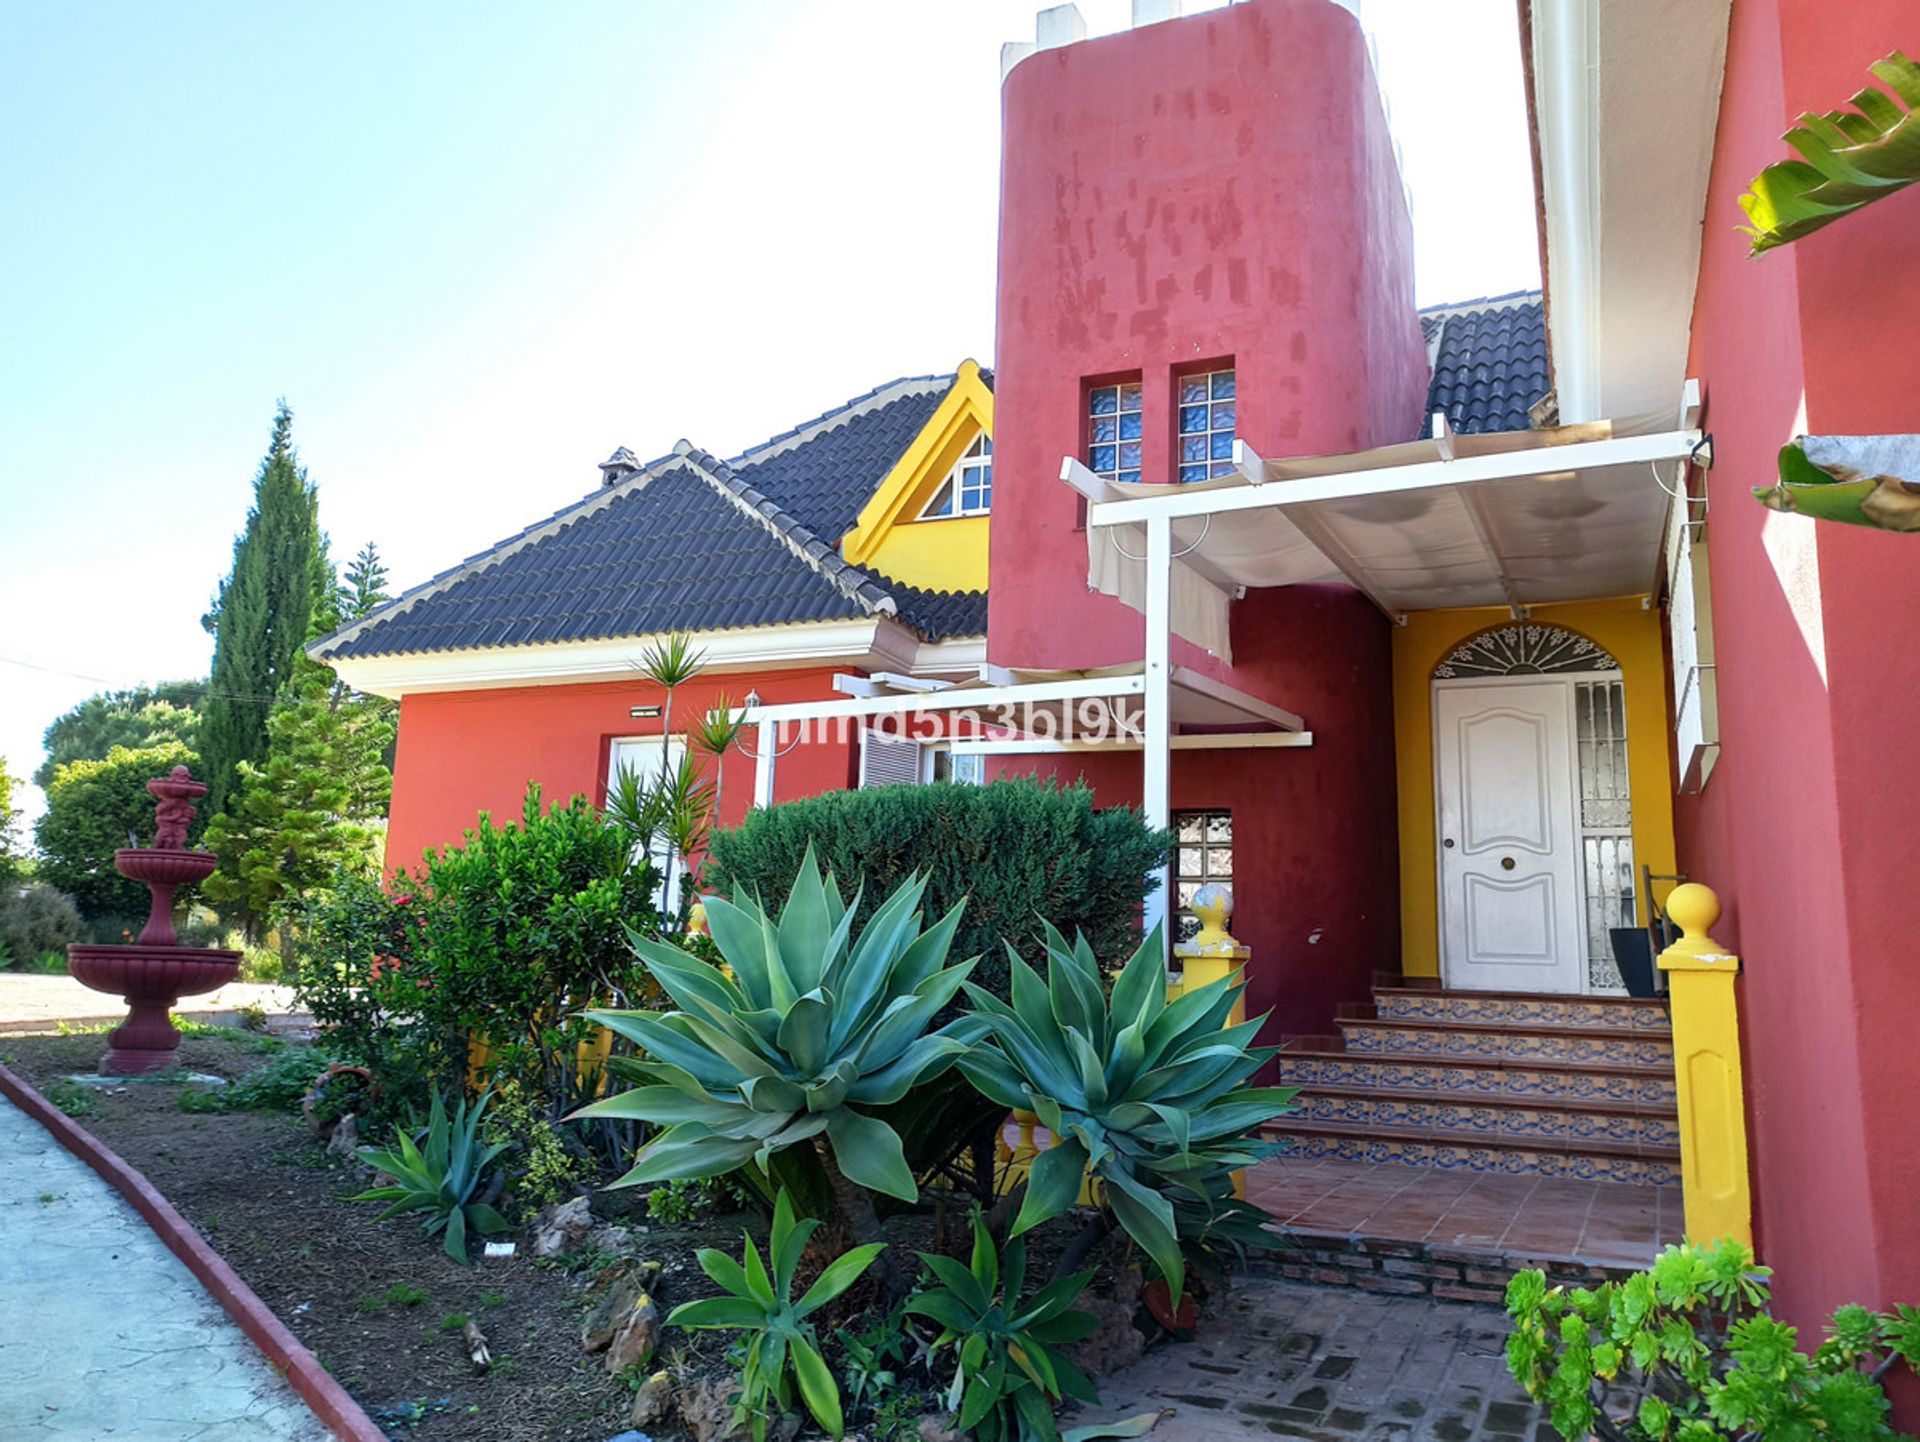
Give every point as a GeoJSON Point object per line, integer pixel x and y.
{"type": "Point", "coordinates": [156, 971]}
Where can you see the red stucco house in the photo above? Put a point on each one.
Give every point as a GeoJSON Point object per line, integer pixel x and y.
{"type": "Point", "coordinates": [1449, 639]}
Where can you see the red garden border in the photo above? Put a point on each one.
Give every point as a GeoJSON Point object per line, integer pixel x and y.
{"type": "Point", "coordinates": [327, 1399]}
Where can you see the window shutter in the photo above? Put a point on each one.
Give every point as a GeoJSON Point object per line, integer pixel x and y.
{"type": "Point", "coordinates": [1696, 712]}
{"type": "Point", "coordinates": [886, 759]}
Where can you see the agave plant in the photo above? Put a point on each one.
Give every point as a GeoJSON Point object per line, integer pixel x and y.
{"type": "Point", "coordinates": [804, 1030]}
{"type": "Point", "coordinates": [442, 1178]}
{"type": "Point", "coordinates": [1007, 1376]}
{"type": "Point", "coordinates": [758, 1302]}
{"type": "Point", "coordinates": [1850, 158]}
{"type": "Point", "coordinates": [1139, 1092]}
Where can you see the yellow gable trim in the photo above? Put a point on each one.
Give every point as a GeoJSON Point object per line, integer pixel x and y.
{"type": "Point", "coordinates": [965, 411]}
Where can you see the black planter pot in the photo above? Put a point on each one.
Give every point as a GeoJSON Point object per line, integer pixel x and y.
{"type": "Point", "coordinates": [1633, 954]}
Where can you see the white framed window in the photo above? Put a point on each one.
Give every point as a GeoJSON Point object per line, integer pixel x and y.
{"type": "Point", "coordinates": [1206, 417]}
{"type": "Point", "coordinates": [1114, 422]}
{"type": "Point", "coordinates": [968, 488]}
{"type": "Point", "coordinates": [643, 755]}
{"type": "Point", "coordinates": [889, 760]}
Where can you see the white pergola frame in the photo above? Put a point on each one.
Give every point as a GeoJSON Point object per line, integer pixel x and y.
{"type": "Point", "coordinates": [868, 698]}
{"type": "Point", "coordinates": [1157, 515]}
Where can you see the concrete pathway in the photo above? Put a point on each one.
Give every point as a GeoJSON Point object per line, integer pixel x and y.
{"type": "Point", "coordinates": [104, 1333]}
{"type": "Point", "coordinates": [1281, 1359]}
{"type": "Point", "coordinates": [31, 997]}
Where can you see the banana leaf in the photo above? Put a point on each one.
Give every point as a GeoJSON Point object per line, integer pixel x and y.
{"type": "Point", "coordinates": [1856, 480]}
{"type": "Point", "coordinates": [1849, 159]}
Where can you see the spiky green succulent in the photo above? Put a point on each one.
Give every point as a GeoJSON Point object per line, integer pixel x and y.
{"type": "Point", "coordinates": [1143, 1094]}
{"type": "Point", "coordinates": [811, 1029]}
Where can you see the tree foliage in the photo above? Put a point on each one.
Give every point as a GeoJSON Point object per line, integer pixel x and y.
{"type": "Point", "coordinates": [264, 613]}
{"type": "Point", "coordinates": [9, 819]}
{"type": "Point", "coordinates": [1014, 850]}
{"type": "Point", "coordinates": [365, 586]}
{"type": "Point", "coordinates": [93, 809]}
{"type": "Point", "coordinates": [314, 807]}
{"type": "Point", "coordinates": [136, 718]}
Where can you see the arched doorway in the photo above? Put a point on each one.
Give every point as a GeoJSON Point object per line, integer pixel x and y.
{"type": "Point", "coordinates": [1534, 811]}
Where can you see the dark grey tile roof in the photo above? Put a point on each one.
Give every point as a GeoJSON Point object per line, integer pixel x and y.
{"type": "Point", "coordinates": [690, 542]}
{"type": "Point", "coordinates": [827, 477]}
{"type": "Point", "coordinates": [940, 615]}
{"type": "Point", "coordinates": [1490, 364]}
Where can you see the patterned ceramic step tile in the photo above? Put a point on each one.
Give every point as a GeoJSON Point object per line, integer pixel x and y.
{"type": "Point", "coordinates": [1569, 1046]}
{"type": "Point", "coordinates": [1472, 1008]}
{"type": "Point", "coordinates": [1505, 1123]}
{"type": "Point", "coordinates": [1543, 1084]}
{"type": "Point", "coordinates": [1446, 1156]}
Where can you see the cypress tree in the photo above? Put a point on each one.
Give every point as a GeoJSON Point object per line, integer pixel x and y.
{"type": "Point", "coordinates": [264, 612]}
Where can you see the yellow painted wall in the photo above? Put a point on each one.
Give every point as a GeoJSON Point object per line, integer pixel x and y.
{"type": "Point", "coordinates": [943, 555]}
{"type": "Point", "coordinates": [1627, 630]}
{"type": "Point", "coordinates": [947, 554]}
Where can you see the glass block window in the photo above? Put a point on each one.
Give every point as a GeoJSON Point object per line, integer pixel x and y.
{"type": "Point", "coordinates": [968, 488]}
{"type": "Point", "coordinates": [1205, 431]}
{"type": "Point", "coordinates": [1203, 852]}
{"type": "Point", "coordinates": [1113, 431]}
{"type": "Point", "coordinates": [1606, 822]}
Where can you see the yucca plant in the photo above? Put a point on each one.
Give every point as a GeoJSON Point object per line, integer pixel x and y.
{"type": "Point", "coordinates": [805, 1029]}
{"type": "Point", "coordinates": [781, 1347]}
{"type": "Point", "coordinates": [441, 1178]}
{"type": "Point", "coordinates": [1007, 1376]}
{"type": "Point", "coordinates": [1849, 159]}
{"type": "Point", "coordinates": [1142, 1094]}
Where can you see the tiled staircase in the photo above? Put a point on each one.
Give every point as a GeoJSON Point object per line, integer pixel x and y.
{"type": "Point", "coordinates": [1560, 1086]}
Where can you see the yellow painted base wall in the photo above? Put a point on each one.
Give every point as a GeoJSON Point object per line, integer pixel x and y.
{"type": "Point", "coordinates": [1627, 630]}
{"type": "Point", "coordinates": [943, 555]}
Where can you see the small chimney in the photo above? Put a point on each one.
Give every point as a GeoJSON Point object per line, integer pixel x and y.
{"type": "Point", "coordinates": [619, 466]}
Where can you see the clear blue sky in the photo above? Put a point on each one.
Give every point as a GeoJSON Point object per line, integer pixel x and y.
{"type": "Point", "coordinates": [479, 245]}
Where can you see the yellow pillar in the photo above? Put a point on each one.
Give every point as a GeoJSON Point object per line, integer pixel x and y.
{"type": "Point", "coordinates": [1210, 955]}
{"type": "Point", "coordinates": [1706, 1068]}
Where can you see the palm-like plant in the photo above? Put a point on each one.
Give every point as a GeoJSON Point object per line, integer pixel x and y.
{"type": "Point", "coordinates": [1849, 159]}
{"type": "Point", "coordinates": [812, 1028]}
{"type": "Point", "coordinates": [1141, 1093]}
{"type": "Point", "coordinates": [440, 1178]}
{"type": "Point", "coordinates": [758, 1302]}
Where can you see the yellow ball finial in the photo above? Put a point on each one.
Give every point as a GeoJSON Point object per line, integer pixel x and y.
{"type": "Point", "coordinates": [1694, 909]}
{"type": "Point", "coordinates": [1213, 904]}
{"type": "Point", "coordinates": [697, 919]}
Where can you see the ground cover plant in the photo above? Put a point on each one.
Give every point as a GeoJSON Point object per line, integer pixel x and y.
{"type": "Point", "coordinates": [1686, 1350]}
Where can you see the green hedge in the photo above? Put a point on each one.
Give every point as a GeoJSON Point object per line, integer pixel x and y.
{"type": "Point", "coordinates": [1017, 850]}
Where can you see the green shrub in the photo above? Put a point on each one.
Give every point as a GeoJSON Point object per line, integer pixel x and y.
{"type": "Point", "coordinates": [35, 919]}
{"type": "Point", "coordinates": [1142, 1093]}
{"type": "Point", "coordinates": [781, 1345]}
{"type": "Point", "coordinates": [505, 940]}
{"type": "Point", "coordinates": [1686, 1351]}
{"type": "Point", "coordinates": [1014, 851]}
{"type": "Point", "coordinates": [262, 964]}
{"type": "Point", "coordinates": [279, 1086]}
{"type": "Point", "coordinates": [441, 1177]}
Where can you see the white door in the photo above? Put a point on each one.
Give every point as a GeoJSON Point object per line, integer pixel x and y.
{"type": "Point", "coordinates": [1509, 877]}
{"type": "Point", "coordinates": [651, 759]}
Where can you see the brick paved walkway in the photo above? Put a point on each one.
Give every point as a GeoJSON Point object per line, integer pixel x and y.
{"type": "Point", "coordinates": [1279, 1359]}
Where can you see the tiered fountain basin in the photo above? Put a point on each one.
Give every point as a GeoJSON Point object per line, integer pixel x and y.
{"type": "Point", "coordinates": [154, 972]}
